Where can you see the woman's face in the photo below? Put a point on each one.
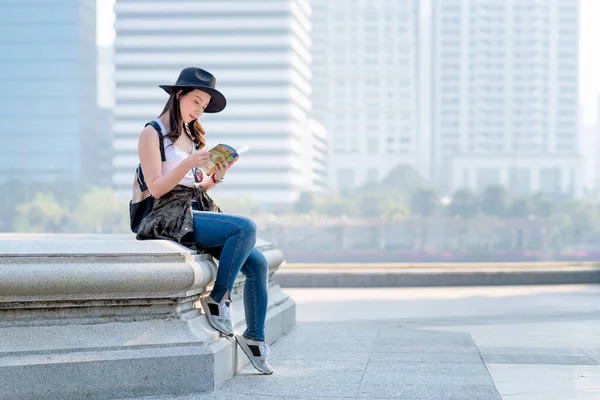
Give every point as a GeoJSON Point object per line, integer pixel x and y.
{"type": "Point", "coordinates": [192, 105]}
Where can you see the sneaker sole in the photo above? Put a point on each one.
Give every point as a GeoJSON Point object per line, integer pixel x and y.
{"type": "Point", "coordinates": [248, 353]}
{"type": "Point", "coordinates": [215, 326]}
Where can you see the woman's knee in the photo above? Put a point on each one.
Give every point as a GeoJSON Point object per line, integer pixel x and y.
{"type": "Point", "coordinates": [246, 225]}
{"type": "Point", "coordinates": [213, 229]}
{"type": "Point", "coordinates": [256, 264]}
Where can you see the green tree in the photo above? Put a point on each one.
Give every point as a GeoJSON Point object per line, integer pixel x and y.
{"type": "Point", "coordinates": [335, 206]}
{"type": "Point", "coordinates": [306, 203]}
{"type": "Point", "coordinates": [100, 211]}
{"type": "Point", "coordinates": [379, 204]}
{"type": "Point", "coordinates": [242, 205]}
{"type": "Point", "coordinates": [583, 218]}
{"type": "Point", "coordinates": [423, 202]}
{"type": "Point", "coordinates": [402, 180]}
{"type": "Point", "coordinates": [494, 200]}
{"type": "Point", "coordinates": [395, 209]}
{"type": "Point", "coordinates": [43, 214]}
{"type": "Point", "coordinates": [520, 208]}
{"type": "Point", "coordinates": [545, 208]}
{"type": "Point", "coordinates": [16, 192]}
{"type": "Point", "coordinates": [464, 203]}
{"type": "Point", "coordinates": [13, 194]}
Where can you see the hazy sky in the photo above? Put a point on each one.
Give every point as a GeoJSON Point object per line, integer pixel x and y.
{"type": "Point", "coordinates": [589, 71]}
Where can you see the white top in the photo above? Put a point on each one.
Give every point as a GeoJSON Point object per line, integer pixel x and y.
{"type": "Point", "coordinates": [174, 156]}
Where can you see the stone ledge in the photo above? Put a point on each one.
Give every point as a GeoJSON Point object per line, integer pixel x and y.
{"type": "Point", "coordinates": [78, 320]}
{"type": "Point", "coordinates": [423, 277]}
{"type": "Point", "coordinates": [138, 270]}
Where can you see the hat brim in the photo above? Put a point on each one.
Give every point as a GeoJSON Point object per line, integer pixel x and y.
{"type": "Point", "coordinates": [217, 101]}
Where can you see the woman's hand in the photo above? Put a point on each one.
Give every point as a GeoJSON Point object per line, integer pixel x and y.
{"type": "Point", "coordinates": [198, 159]}
{"type": "Point", "coordinates": [222, 166]}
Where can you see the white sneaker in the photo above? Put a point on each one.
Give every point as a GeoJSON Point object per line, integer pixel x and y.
{"type": "Point", "coordinates": [218, 314]}
{"type": "Point", "coordinates": [257, 352]}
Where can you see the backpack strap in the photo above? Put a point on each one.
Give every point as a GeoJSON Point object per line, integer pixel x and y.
{"type": "Point", "coordinates": [140, 179]}
{"type": "Point", "coordinates": [159, 129]}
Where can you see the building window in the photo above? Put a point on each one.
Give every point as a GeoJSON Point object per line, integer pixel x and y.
{"type": "Point", "coordinates": [345, 178]}
{"type": "Point", "coordinates": [487, 177]}
{"type": "Point", "coordinates": [550, 180]}
{"type": "Point", "coordinates": [519, 181]}
{"type": "Point", "coordinates": [372, 144]}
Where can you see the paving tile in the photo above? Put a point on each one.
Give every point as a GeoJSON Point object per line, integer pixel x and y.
{"type": "Point", "coordinates": [538, 359]}
{"type": "Point", "coordinates": [428, 392]}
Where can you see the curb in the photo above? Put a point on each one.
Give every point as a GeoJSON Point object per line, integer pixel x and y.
{"type": "Point", "coordinates": [446, 276]}
{"type": "Point", "coordinates": [444, 265]}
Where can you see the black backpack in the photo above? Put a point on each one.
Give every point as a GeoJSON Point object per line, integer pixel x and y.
{"type": "Point", "coordinates": [141, 200]}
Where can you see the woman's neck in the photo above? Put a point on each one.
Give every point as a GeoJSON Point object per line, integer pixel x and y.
{"type": "Point", "coordinates": [165, 119]}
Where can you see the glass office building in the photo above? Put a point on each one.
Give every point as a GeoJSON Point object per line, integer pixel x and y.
{"type": "Point", "coordinates": [48, 107]}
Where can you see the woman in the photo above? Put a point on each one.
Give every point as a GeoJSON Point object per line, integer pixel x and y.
{"type": "Point", "coordinates": [177, 183]}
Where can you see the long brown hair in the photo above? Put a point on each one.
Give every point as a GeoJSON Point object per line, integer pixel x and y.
{"type": "Point", "coordinates": [176, 123]}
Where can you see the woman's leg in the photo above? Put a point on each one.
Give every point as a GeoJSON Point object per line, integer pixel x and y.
{"type": "Point", "coordinates": [237, 236]}
{"type": "Point", "coordinates": [252, 342]}
{"type": "Point", "coordinates": [256, 270]}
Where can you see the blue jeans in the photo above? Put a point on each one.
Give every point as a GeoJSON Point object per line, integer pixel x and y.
{"type": "Point", "coordinates": [231, 239]}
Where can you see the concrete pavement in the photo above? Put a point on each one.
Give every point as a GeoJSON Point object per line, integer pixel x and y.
{"type": "Point", "coordinates": [515, 343]}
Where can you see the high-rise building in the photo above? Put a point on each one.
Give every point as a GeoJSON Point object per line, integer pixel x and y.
{"type": "Point", "coordinates": [505, 95]}
{"type": "Point", "coordinates": [316, 146]}
{"type": "Point", "coordinates": [259, 52]}
{"type": "Point", "coordinates": [366, 79]}
{"type": "Point", "coordinates": [105, 123]}
{"type": "Point", "coordinates": [595, 153]}
{"type": "Point", "coordinates": [48, 97]}
{"type": "Point", "coordinates": [106, 76]}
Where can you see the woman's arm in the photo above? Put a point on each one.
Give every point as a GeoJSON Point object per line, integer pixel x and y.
{"type": "Point", "coordinates": [149, 153]}
{"type": "Point", "coordinates": [222, 167]}
{"type": "Point", "coordinates": [207, 183]}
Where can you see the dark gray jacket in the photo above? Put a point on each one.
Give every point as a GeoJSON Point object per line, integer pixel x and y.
{"type": "Point", "coordinates": [171, 216]}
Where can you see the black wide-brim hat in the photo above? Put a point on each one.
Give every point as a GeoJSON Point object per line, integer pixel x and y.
{"type": "Point", "coordinates": [197, 78]}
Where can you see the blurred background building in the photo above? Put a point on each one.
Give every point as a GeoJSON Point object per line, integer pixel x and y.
{"type": "Point", "coordinates": [366, 69]}
{"type": "Point", "coordinates": [259, 52]}
{"type": "Point", "coordinates": [48, 108]}
{"type": "Point", "coordinates": [469, 94]}
{"type": "Point", "coordinates": [315, 163]}
{"type": "Point", "coordinates": [505, 95]}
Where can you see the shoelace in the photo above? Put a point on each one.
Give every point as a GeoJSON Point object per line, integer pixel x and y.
{"type": "Point", "coordinates": [226, 310]}
{"type": "Point", "coordinates": [265, 350]}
